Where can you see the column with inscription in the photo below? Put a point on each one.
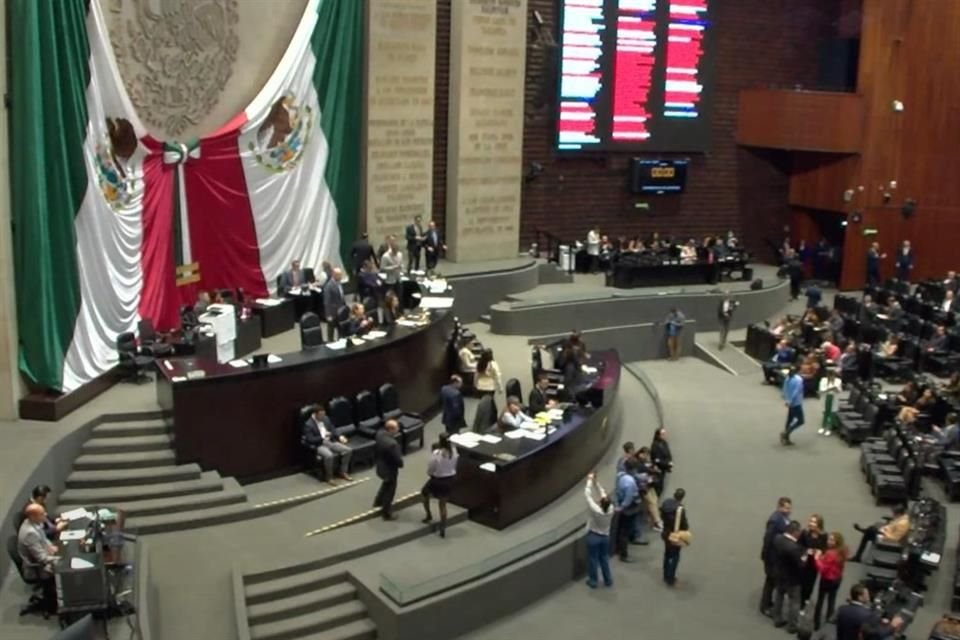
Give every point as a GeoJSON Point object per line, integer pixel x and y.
{"type": "Point", "coordinates": [401, 50]}
{"type": "Point", "coordinates": [485, 137]}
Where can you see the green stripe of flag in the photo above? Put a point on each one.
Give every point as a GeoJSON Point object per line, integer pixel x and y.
{"type": "Point", "coordinates": [337, 44]}
{"type": "Point", "coordinates": [49, 73]}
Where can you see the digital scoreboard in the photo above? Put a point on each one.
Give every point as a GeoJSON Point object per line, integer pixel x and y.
{"type": "Point", "coordinates": [634, 75]}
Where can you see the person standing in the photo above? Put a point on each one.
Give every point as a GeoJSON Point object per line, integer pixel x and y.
{"type": "Point", "coordinates": [852, 616]}
{"type": "Point", "coordinates": [830, 564]}
{"type": "Point", "coordinates": [451, 400]}
{"type": "Point", "coordinates": [432, 246]}
{"type": "Point", "coordinates": [873, 264]}
{"type": "Point", "coordinates": [790, 560]}
{"type": "Point", "coordinates": [599, 520]}
{"type": "Point", "coordinates": [793, 399]}
{"type": "Point", "coordinates": [776, 525]}
{"type": "Point", "coordinates": [674, 517]}
{"type": "Point", "coordinates": [814, 539]}
{"type": "Point", "coordinates": [661, 457]}
{"type": "Point", "coordinates": [674, 326]}
{"type": "Point", "coordinates": [362, 251]}
{"type": "Point", "coordinates": [333, 301]}
{"type": "Point", "coordinates": [414, 236]}
{"type": "Point", "coordinates": [391, 264]}
{"type": "Point", "coordinates": [905, 260]}
{"type": "Point", "coordinates": [627, 497]}
{"type": "Point", "coordinates": [389, 461]}
{"type": "Point", "coordinates": [830, 386]}
{"type": "Point", "coordinates": [442, 472]}
{"type": "Point", "coordinates": [724, 315]}
{"type": "Point", "coordinates": [593, 249]}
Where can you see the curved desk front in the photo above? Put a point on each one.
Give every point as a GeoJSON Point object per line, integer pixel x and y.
{"type": "Point", "coordinates": [243, 422]}
{"type": "Point", "coordinates": [528, 474]}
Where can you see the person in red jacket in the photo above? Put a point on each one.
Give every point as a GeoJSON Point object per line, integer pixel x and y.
{"type": "Point", "coordinates": [830, 565]}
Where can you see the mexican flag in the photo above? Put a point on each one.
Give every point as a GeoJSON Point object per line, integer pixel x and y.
{"type": "Point", "coordinates": [114, 225]}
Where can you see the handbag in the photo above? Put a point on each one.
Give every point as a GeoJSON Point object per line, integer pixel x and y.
{"type": "Point", "coordinates": [677, 537]}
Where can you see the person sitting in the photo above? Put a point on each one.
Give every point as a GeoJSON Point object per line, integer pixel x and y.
{"type": "Point", "coordinates": [468, 361]}
{"type": "Point", "coordinates": [895, 531]}
{"type": "Point", "coordinates": [952, 387]}
{"type": "Point", "coordinates": [319, 433]}
{"type": "Point", "coordinates": [835, 322]}
{"type": "Point", "coordinates": [949, 304]}
{"type": "Point", "coordinates": [488, 381]}
{"type": "Point", "coordinates": [358, 323]}
{"type": "Point", "coordinates": [782, 358]}
{"type": "Point", "coordinates": [513, 417]}
{"type": "Point", "coordinates": [908, 414]}
{"type": "Point", "coordinates": [293, 278]}
{"type": "Point", "coordinates": [38, 554]}
{"type": "Point", "coordinates": [538, 400]}
{"type": "Point", "coordinates": [848, 364]}
{"type": "Point", "coordinates": [908, 394]}
{"type": "Point", "coordinates": [392, 311]}
{"type": "Point", "coordinates": [688, 252]}
{"type": "Point", "coordinates": [890, 346]}
{"type": "Point", "coordinates": [949, 437]}
{"type": "Point", "coordinates": [51, 527]}
{"type": "Point", "coordinates": [203, 301]}
{"type": "Point", "coordinates": [940, 341]}
{"type": "Point", "coordinates": [830, 351]}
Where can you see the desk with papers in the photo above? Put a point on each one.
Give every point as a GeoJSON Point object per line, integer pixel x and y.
{"type": "Point", "coordinates": [504, 477]}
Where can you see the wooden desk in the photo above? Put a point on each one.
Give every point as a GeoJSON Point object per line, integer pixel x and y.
{"type": "Point", "coordinates": [540, 471]}
{"type": "Point", "coordinates": [275, 319]}
{"type": "Point", "coordinates": [242, 422]}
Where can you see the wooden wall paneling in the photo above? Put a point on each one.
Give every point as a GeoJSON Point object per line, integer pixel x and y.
{"type": "Point", "coordinates": [818, 180]}
{"type": "Point", "coordinates": [800, 120]}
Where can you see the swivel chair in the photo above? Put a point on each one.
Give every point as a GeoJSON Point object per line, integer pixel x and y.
{"type": "Point", "coordinates": [311, 333]}
{"type": "Point", "coordinates": [37, 603]}
{"type": "Point", "coordinates": [341, 415]}
{"type": "Point", "coordinates": [132, 362]}
{"type": "Point", "coordinates": [411, 424]}
{"type": "Point", "coordinates": [151, 341]}
{"type": "Point", "coordinates": [368, 418]}
{"type": "Point", "coordinates": [512, 388]}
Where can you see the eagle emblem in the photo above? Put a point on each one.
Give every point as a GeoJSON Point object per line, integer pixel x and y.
{"type": "Point", "coordinates": [112, 162]}
{"type": "Point", "coordinates": [283, 136]}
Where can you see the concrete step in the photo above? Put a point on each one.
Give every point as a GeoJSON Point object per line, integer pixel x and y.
{"type": "Point", "coordinates": [303, 603]}
{"type": "Point", "coordinates": [363, 629]}
{"type": "Point", "coordinates": [127, 443]}
{"type": "Point", "coordinates": [289, 586]}
{"type": "Point", "coordinates": [120, 477]}
{"type": "Point", "coordinates": [232, 493]}
{"type": "Point", "coordinates": [485, 318]}
{"type": "Point", "coordinates": [207, 482]}
{"type": "Point", "coordinates": [312, 622]}
{"type": "Point", "coordinates": [125, 460]}
{"type": "Point", "coordinates": [204, 517]}
{"type": "Point", "coordinates": [126, 429]}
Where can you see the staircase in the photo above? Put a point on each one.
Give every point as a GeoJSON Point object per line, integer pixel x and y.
{"type": "Point", "coordinates": [131, 466]}
{"type": "Point", "coordinates": [312, 604]}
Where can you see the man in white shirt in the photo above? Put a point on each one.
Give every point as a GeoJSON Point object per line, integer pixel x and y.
{"type": "Point", "coordinates": [391, 263]}
{"type": "Point", "coordinates": [949, 303]}
{"type": "Point", "coordinates": [593, 249]}
{"type": "Point", "coordinates": [513, 417]}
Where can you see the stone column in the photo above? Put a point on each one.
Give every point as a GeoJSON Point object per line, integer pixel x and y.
{"type": "Point", "coordinates": [10, 387]}
{"type": "Point", "coordinates": [401, 51]}
{"type": "Point", "coordinates": [485, 141]}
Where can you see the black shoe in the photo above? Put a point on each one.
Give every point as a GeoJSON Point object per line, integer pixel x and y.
{"type": "Point", "coordinates": [442, 531]}
{"type": "Point", "coordinates": [791, 629]}
{"type": "Point", "coordinates": [389, 516]}
{"type": "Point", "coordinates": [783, 438]}
{"type": "Point", "coordinates": [855, 559]}
{"type": "Point", "coordinates": [626, 559]}
{"type": "Point", "coordinates": [427, 520]}
{"type": "Point", "coordinates": [859, 528]}
{"type": "Point", "coordinates": [642, 542]}
{"type": "Point", "coordinates": [767, 612]}
{"type": "Point", "coordinates": [779, 624]}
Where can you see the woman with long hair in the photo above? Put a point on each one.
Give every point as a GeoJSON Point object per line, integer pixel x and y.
{"type": "Point", "coordinates": [442, 470]}
{"type": "Point", "coordinates": [488, 374]}
{"type": "Point", "coordinates": [661, 457]}
{"type": "Point", "coordinates": [392, 311]}
{"type": "Point", "coordinates": [830, 564]}
{"type": "Point", "coordinates": [813, 538]}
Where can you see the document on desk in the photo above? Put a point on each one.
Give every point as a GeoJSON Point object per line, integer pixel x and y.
{"type": "Point", "coordinates": [492, 439]}
{"type": "Point", "coordinates": [437, 286]}
{"type": "Point", "coordinates": [269, 302]}
{"type": "Point", "coordinates": [467, 439]}
{"type": "Point", "coordinates": [76, 514]}
{"type": "Point", "coordinates": [535, 435]}
{"type": "Point", "coordinates": [337, 345]}
{"type": "Point", "coordinates": [272, 359]}
{"type": "Point", "coordinates": [375, 335]}
{"type": "Point", "coordinates": [515, 434]}
{"type": "Point", "coordinates": [238, 364]}
{"type": "Point", "coordinates": [80, 563]}
{"type": "Point", "coordinates": [434, 302]}
{"type": "Point", "coordinates": [72, 534]}
{"type": "Point", "coordinates": [488, 466]}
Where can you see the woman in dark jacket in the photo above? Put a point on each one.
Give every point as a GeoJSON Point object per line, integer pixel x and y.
{"type": "Point", "coordinates": [813, 538]}
{"type": "Point", "coordinates": [661, 457]}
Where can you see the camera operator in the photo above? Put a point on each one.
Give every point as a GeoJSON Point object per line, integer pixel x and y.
{"type": "Point", "coordinates": [724, 314]}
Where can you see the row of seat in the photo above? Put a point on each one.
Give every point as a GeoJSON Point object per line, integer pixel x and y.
{"type": "Point", "coordinates": [890, 468]}
{"type": "Point", "coordinates": [359, 420]}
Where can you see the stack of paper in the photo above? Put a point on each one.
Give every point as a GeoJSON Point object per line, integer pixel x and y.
{"type": "Point", "coordinates": [76, 514]}
{"type": "Point", "coordinates": [238, 364]}
{"type": "Point", "coordinates": [337, 345]}
{"type": "Point", "coordinates": [272, 359]}
{"type": "Point", "coordinates": [437, 286]}
{"type": "Point", "coordinates": [269, 302]}
{"type": "Point", "coordinates": [468, 439]}
{"type": "Point", "coordinates": [488, 466]}
{"type": "Point", "coordinates": [72, 534]}
{"type": "Point", "coordinates": [375, 335]}
{"type": "Point", "coordinates": [515, 434]}
{"type": "Point", "coordinates": [492, 439]}
{"type": "Point", "coordinates": [431, 302]}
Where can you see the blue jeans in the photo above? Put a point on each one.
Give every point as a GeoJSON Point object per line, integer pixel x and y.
{"type": "Point", "coordinates": [671, 558]}
{"type": "Point", "coordinates": [598, 555]}
{"type": "Point", "coordinates": [794, 418]}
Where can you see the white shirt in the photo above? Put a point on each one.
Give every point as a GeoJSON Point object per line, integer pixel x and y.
{"type": "Point", "coordinates": [828, 387]}
{"type": "Point", "coordinates": [598, 520]}
{"type": "Point", "coordinates": [946, 304]}
{"type": "Point", "coordinates": [516, 420]}
{"type": "Point", "coordinates": [593, 243]}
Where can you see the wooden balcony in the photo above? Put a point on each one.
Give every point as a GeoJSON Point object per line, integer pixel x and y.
{"type": "Point", "coordinates": [824, 121]}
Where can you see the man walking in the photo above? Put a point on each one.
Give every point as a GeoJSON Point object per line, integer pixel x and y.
{"type": "Point", "coordinates": [776, 524]}
{"type": "Point", "coordinates": [793, 399]}
{"type": "Point", "coordinates": [451, 401]}
{"type": "Point", "coordinates": [674, 516]}
{"type": "Point", "coordinates": [724, 314]}
{"type": "Point", "coordinates": [389, 461]}
{"type": "Point", "coordinates": [791, 561]}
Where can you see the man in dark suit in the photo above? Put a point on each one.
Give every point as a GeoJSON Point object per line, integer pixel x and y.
{"type": "Point", "coordinates": [432, 246]}
{"type": "Point", "coordinates": [414, 236]}
{"type": "Point", "coordinates": [451, 399]}
{"type": "Point", "coordinates": [873, 264]}
{"type": "Point", "coordinates": [361, 251]}
{"type": "Point", "coordinates": [333, 301]}
{"type": "Point", "coordinates": [292, 278]}
{"type": "Point", "coordinates": [319, 433]}
{"type": "Point", "coordinates": [389, 462]}
{"type": "Point", "coordinates": [852, 616]}
{"type": "Point", "coordinates": [724, 315]}
{"type": "Point", "coordinates": [776, 524]}
{"type": "Point", "coordinates": [905, 262]}
{"type": "Point", "coordinates": [538, 400]}
{"type": "Point", "coordinates": [790, 561]}
{"type": "Point", "coordinates": [674, 517]}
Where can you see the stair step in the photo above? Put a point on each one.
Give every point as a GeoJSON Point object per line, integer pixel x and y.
{"type": "Point", "coordinates": [485, 317]}
{"type": "Point", "coordinates": [363, 629]}
{"type": "Point", "coordinates": [312, 622]}
{"type": "Point", "coordinates": [127, 443]}
{"type": "Point", "coordinates": [151, 475]}
{"type": "Point", "coordinates": [207, 482]}
{"type": "Point", "coordinates": [306, 602]}
{"type": "Point", "coordinates": [232, 493]}
{"type": "Point", "coordinates": [125, 429]}
{"type": "Point", "coordinates": [204, 517]}
{"type": "Point", "coordinates": [292, 585]}
{"type": "Point", "coordinates": [125, 460]}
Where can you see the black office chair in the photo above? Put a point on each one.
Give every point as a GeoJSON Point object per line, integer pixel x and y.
{"type": "Point", "coordinates": [151, 341]}
{"type": "Point", "coordinates": [82, 629]}
{"type": "Point", "coordinates": [188, 318]}
{"type": "Point", "coordinates": [411, 424]}
{"type": "Point", "coordinates": [36, 603]}
{"type": "Point", "coordinates": [368, 418]}
{"type": "Point", "coordinates": [512, 388]}
{"type": "Point", "coordinates": [311, 333]}
{"type": "Point", "coordinates": [132, 362]}
{"type": "Point", "coordinates": [371, 308]}
{"type": "Point", "coordinates": [228, 296]}
{"type": "Point", "coordinates": [340, 411]}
